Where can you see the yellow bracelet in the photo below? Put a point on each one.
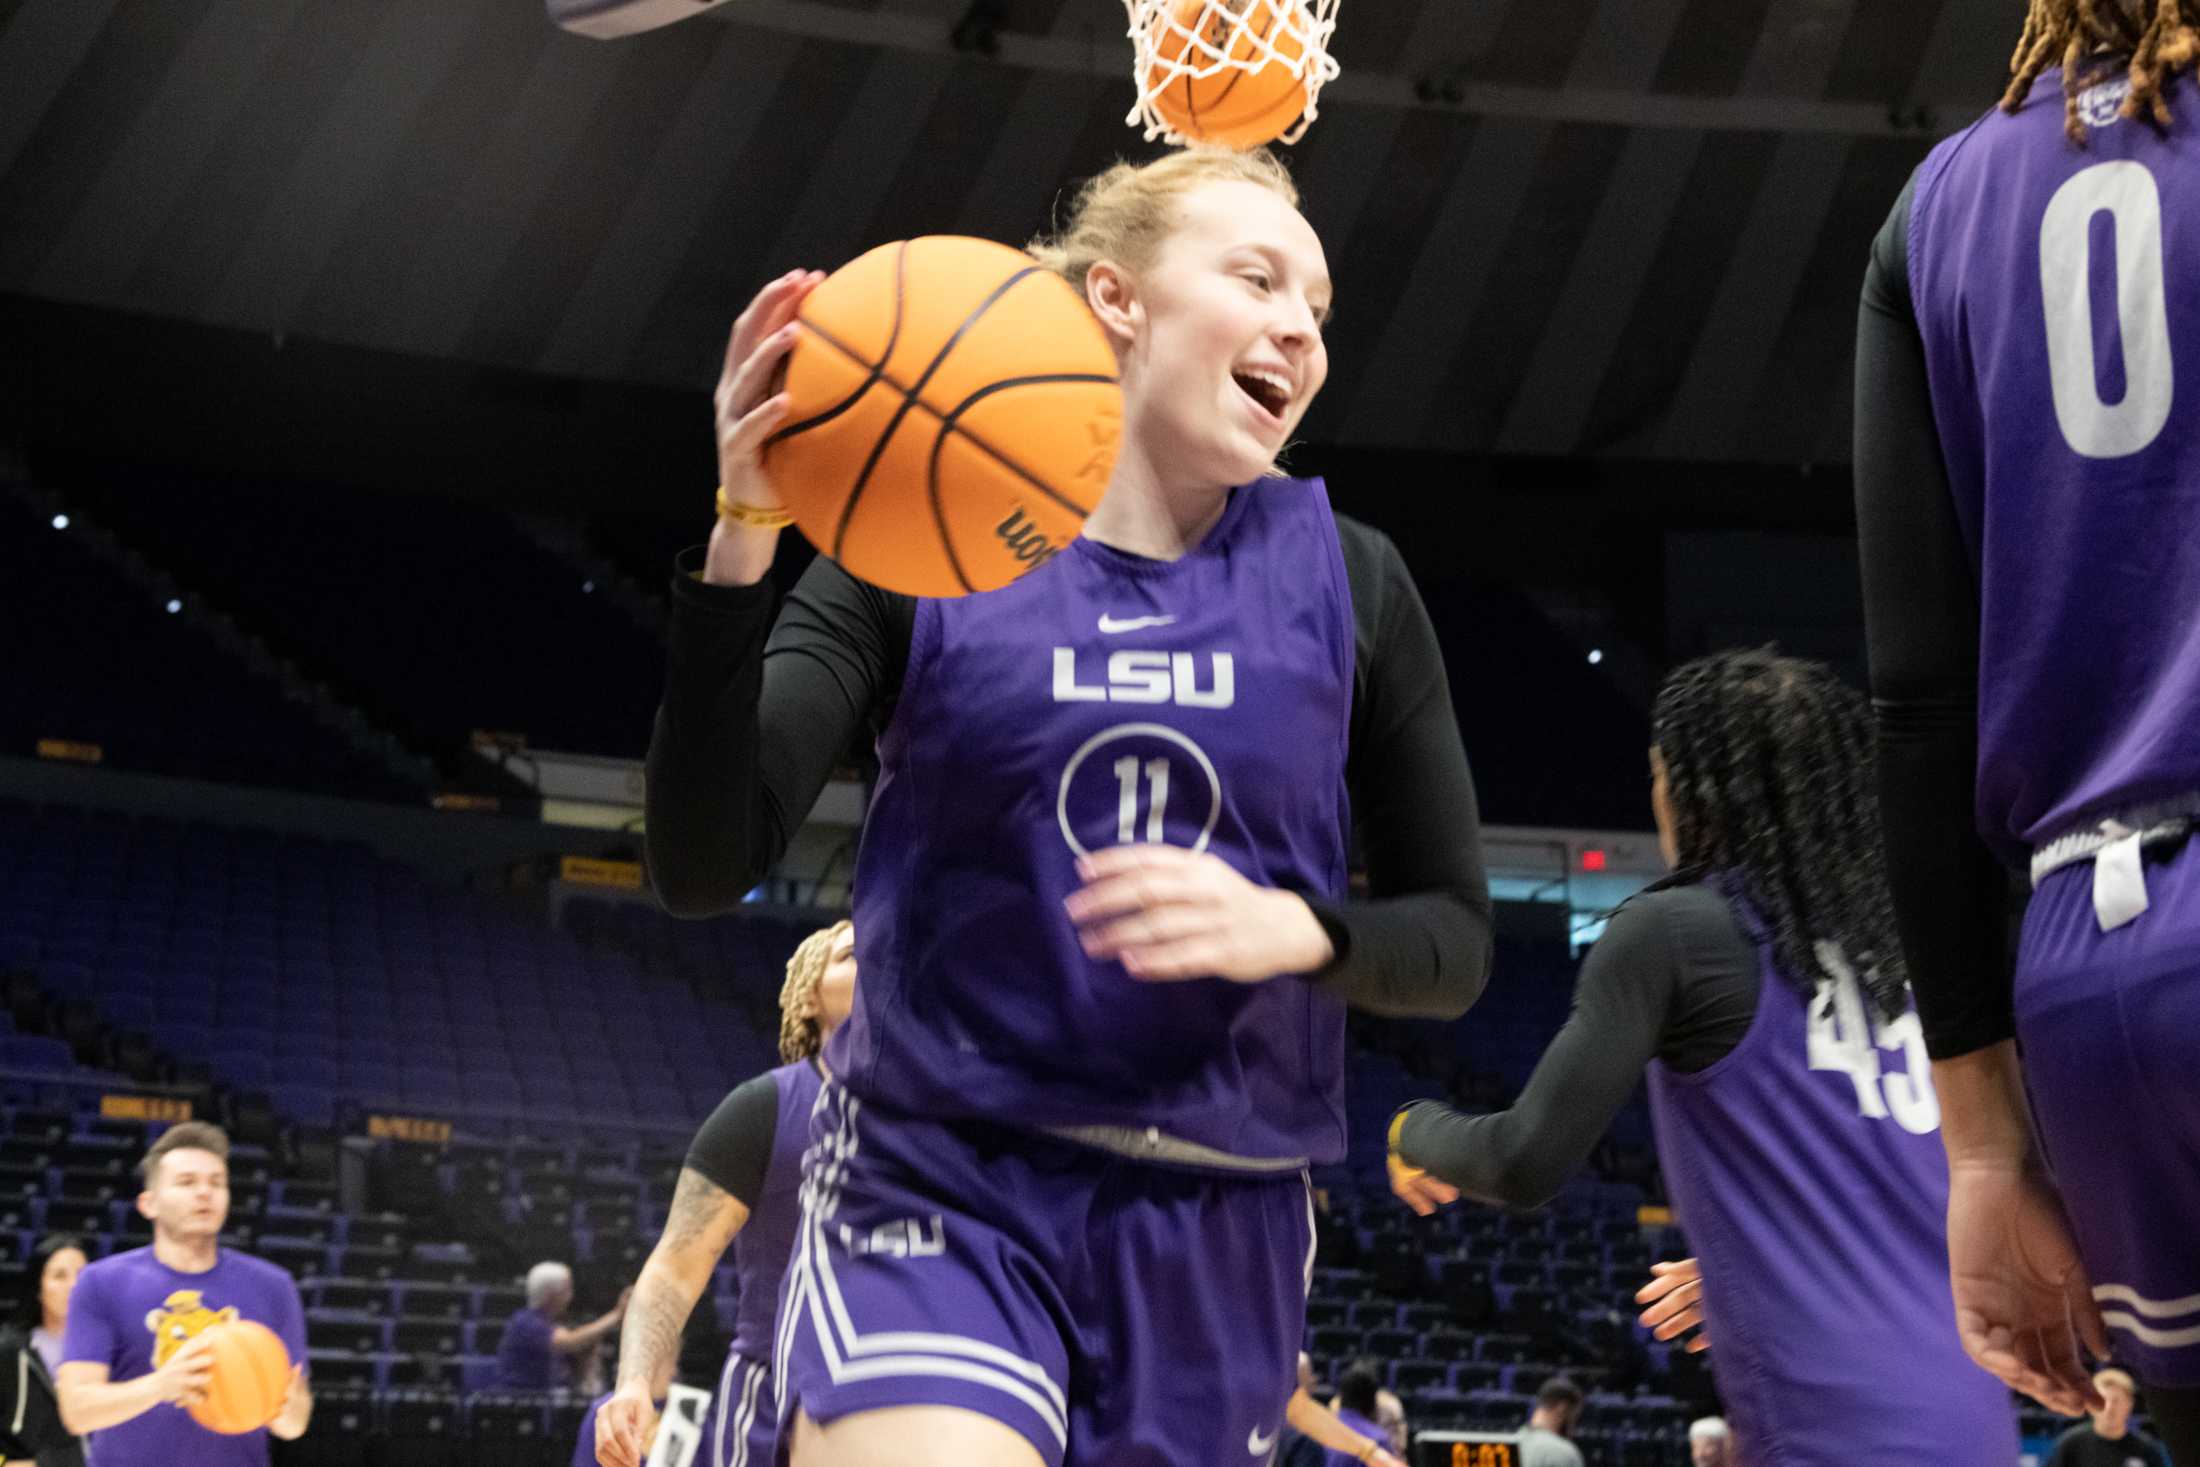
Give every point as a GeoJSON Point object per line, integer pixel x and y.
{"type": "Point", "coordinates": [751, 515]}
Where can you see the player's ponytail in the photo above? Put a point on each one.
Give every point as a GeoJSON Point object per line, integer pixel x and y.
{"type": "Point", "coordinates": [1773, 781]}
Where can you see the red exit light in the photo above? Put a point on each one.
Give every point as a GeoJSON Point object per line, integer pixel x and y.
{"type": "Point", "coordinates": [1592, 860]}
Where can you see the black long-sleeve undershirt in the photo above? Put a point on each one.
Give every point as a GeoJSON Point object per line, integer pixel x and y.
{"type": "Point", "coordinates": [1673, 978]}
{"type": "Point", "coordinates": [1921, 614]}
{"type": "Point", "coordinates": [758, 708]}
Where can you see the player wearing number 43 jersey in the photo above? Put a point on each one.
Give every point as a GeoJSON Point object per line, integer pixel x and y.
{"type": "Point", "coordinates": [1056, 1198]}
{"type": "Point", "coordinates": [2028, 496]}
{"type": "Point", "coordinates": [1761, 987]}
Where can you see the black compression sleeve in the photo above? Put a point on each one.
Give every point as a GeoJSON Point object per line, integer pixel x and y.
{"type": "Point", "coordinates": [750, 727]}
{"type": "Point", "coordinates": [1921, 610]}
{"type": "Point", "coordinates": [733, 1149]}
{"type": "Point", "coordinates": [1522, 1156]}
{"type": "Point", "coordinates": [1673, 977]}
{"type": "Point", "coordinates": [1421, 946]}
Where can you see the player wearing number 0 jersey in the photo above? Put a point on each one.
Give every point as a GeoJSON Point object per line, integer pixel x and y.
{"type": "Point", "coordinates": [1056, 1191]}
{"type": "Point", "coordinates": [1761, 988]}
{"type": "Point", "coordinates": [2028, 495]}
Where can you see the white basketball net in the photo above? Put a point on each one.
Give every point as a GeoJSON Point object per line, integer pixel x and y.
{"type": "Point", "coordinates": [1227, 35]}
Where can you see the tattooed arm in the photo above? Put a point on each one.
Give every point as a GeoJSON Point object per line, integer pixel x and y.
{"type": "Point", "coordinates": [704, 1218]}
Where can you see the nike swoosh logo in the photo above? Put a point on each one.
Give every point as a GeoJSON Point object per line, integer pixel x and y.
{"type": "Point", "coordinates": [1261, 1446]}
{"type": "Point", "coordinates": [1110, 626]}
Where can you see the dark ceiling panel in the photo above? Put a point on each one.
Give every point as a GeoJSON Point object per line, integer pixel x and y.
{"type": "Point", "coordinates": [569, 226]}
{"type": "Point", "coordinates": [252, 158]}
{"type": "Point", "coordinates": [1711, 47]}
{"type": "Point", "coordinates": [1574, 268]}
{"type": "Point", "coordinates": [89, 118]}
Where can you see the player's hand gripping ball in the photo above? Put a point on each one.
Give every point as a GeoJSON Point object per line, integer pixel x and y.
{"type": "Point", "coordinates": [951, 417]}
{"type": "Point", "coordinates": [251, 1378]}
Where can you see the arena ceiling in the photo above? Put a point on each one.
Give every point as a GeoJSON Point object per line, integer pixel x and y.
{"type": "Point", "coordinates": [1630, 228]}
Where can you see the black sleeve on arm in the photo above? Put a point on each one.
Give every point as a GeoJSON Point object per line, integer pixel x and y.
{"type": "Point", "coordinates": [733, 1148]}
{"type": "Point", "coordinates": [1521, 1157]}
{"type": "Point", "coordinates": [1420, 948]}
{"type": "Point", "coordinates": [751, 727]}
{"type": "Point", "coordinates": [1921, 612]}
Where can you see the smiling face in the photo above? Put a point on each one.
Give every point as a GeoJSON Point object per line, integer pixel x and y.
{"type": "Point", "coordinates": [1220, 334]}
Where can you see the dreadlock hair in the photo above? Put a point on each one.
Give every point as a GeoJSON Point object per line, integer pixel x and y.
{"type": "Point", "coordinates": [2154, 33]}
{"type": "Point", "coordinates": [1770, 768]}
{"type": "Point", "coordinates": [800, 1034]}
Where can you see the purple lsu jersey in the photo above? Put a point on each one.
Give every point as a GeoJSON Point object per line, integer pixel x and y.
{"type": "Point", "coordinates": [2057, 290]}
{"type": "Point", "coordinates": [743, 1424]}
{"type": "Point", "coordinates": [1108, 699]}
{"type": "Point", "coordinates": [1806, 1169]}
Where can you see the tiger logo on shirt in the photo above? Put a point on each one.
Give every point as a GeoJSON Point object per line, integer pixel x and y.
{"type": "Point", "coordinates": [182, 1316]}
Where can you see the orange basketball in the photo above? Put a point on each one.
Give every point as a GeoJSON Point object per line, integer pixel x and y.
{"type": "Point", "coordinates": [952, 419]}
{"type": "Point", "coordinates": [1237, 106]}
{"type": "Point", "coordinates": [250, 1379]}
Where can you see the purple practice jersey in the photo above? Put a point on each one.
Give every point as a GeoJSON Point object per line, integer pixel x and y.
{"type": "Point", "coordinates": [760, 1249]}
{"type": "Point", "coordinates": [1806, 1169]}
{"type": "Point", "coordinates": [743, 1426]}
{"type": "Point", "coordinates": [1108, 699]}
{"type": "Point", "coordinates": [2055, 290]}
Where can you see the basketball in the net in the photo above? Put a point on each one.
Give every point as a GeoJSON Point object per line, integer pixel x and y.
{"type": "Point", "coordinates": [250, 1379]}
{"type": "Point", "coordinates": [1252, 100]}
{"type": "Point", "coordinates": [953, 416]}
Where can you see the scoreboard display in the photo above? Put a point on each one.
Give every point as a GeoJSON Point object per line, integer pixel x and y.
{"type": "Point", "coordinates": [1466, 1449]}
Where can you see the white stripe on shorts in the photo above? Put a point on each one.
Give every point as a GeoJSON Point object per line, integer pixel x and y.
{"type": "Point", "coordinates": [2152, 1308]}
{"type": "Point", "coordinates": [2160, 1339]}
{"type": "Point", "coordinates": [852, 1355]}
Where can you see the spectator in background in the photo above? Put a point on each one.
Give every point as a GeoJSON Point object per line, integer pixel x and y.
{"type": "Point", "coordinates": [135, 1353]}
{"type": "Point", "coordinates": [30, 1353]}
{"type": "Point", "coordinates": [2108, 1440]}
{"type": "Point", "coordinates": [1355, 1406]}
{"type": "Point", "coordinates": [1710, 1444]}
{"type": "Point", "coordinates": [1543, 1440]}
{"type": "Point", "coordinates": [1390, 1415]}
{"type": "Point", "coordinates": [538, 1352]}
{"type": "Point", "coordinates": [1314, 1435]}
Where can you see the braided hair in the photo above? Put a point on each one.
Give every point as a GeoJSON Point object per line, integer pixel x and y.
{"type": "Point", "coordinates": [1773, 782]}
{"type": "Point", "coordinates": [800, 1033]}
{"type": "Point", "coordinates": [2154, 33]}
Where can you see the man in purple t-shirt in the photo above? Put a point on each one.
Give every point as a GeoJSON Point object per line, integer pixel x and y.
{"type": "Point", "coordinates": [132, 1357]}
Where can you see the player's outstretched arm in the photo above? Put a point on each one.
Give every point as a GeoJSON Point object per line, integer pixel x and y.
{"type": "Point", "coordinates": [1521, 1157]}
{"type": "Point", "coordinates": [760, 701]}
{"type": "Point", "coordinates": [703, 1221]}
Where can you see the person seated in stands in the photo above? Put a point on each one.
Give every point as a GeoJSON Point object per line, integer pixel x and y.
{"type": "Point", "coordinates": [135, 1351]}
{"type": "Point", "coordinates": [1357, 1390]}
{"type": "Point", "coordinates": [539, 1353]}
{"type": "Point", "coordinates": [30, 1353]}
{"type": "Point", "coordinates": [1314, 1436]}
{"type": "Point", "coordinates": [1710, 1444]}
{"type": "Point", "coordinates": [1543, 1440]}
